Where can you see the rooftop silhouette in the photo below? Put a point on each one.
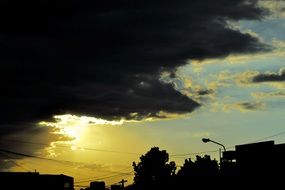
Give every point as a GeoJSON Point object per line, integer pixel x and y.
{"type": "Point", "coordinates": [35, 181]}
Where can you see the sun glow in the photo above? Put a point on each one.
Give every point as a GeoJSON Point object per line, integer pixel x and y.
{"type": "Point", "coordinates": [73, 126]}
{"type": "Point", "coordinates": [70, 129]}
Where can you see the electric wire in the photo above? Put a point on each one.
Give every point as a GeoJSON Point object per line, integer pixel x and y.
{"type": "Point", "coordinates": [66, 146]}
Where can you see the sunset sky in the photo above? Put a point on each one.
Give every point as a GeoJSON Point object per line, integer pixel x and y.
{"type": "Point", "coordinates": [87, 87]}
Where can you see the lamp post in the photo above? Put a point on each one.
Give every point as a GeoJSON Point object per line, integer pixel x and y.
{"type": "Point", "coordinates": [205, 140]}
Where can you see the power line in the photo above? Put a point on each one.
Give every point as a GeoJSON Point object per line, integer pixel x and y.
{"type": "Point", "coordinates": [104, 176]}
{"type": "Point", "coordinates": [24, 155]}
{"type": "Point", "coordinates": [65, 162]}
{"type": "Point", "coordinates": [212, 151]}
{"type": "Point", "coordinates": [193, 153]}
{"type": "Point", "coordinates": [66, 168]}
{"type": "Point", "coordinates": [107, 174]}
{"type": "Point", "coordinates": [38, 157]}
{"type": "Point", "coordinates": [115, 176]}
{"type": "Point", "coordinates": [263, 138]}
{"type": "Point", "coordinates": [113, 151]}
{"type": "Point", "coordinates": [104, 150]}
{"type": "Point", "coordinates": [119, 173]}
{"type": "Point", "coordinates": [271, 136]}
{"type": "Point", "coordinates": [66, 146]}
{"type": "Point", "coordinates": [107, 177]}
{"type": "Point", "coordinates": [13, 162]}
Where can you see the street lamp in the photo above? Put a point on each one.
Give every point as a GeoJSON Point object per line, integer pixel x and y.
{"type": "Point", "coordinates": [205, 140]}
{"type": "Point", "coordinates": [209, 140]}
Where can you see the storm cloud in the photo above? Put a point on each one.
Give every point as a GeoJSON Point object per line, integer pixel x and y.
{"type": "Point", "coordinates": [104, 58]}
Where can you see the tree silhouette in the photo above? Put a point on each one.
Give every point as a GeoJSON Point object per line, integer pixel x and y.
{"type": "Point", "coordinates": [153, 171]}
{"type": "Point", "coordinates": [203, 172]}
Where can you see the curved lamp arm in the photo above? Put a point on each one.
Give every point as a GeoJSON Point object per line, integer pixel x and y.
{"type": "Point", "coordinates": [209, 140]}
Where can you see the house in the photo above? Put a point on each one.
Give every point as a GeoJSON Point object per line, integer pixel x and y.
{"type": "Point", "coordinates": [35, 181]}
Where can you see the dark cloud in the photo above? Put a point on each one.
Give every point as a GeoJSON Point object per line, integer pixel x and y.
{"type": "Point", "coordinates": [205, 92]}
{"type": "Point", "coordinates": [270, 77]}
{"type": "Point", "coordinates": [104, 58]}
{"type": "Point", "coordinates": [269, 94]}
{"type": "Point", "coordinates": [29, 140]}
{"type": "Point", "coordinates": [251, 105]}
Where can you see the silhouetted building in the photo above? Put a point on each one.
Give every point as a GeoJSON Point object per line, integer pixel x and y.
{"type": "Point", "coordinates": [97, 185]}
{"type": "Point", "coordinates": [35, 181]}
{"type": "Point", "coordinates": [259, 163]}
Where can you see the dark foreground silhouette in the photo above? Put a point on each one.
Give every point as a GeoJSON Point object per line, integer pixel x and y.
{"type": "Point", "coordinates": [256, 165]}
{"type": "Point", "coordinates": [34, 181]}
{"type": "Point", "coordinates": [250, 166]}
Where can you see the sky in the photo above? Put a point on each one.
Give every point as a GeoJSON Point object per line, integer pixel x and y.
{"type": "Point", "coordinates": [88, 87]}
